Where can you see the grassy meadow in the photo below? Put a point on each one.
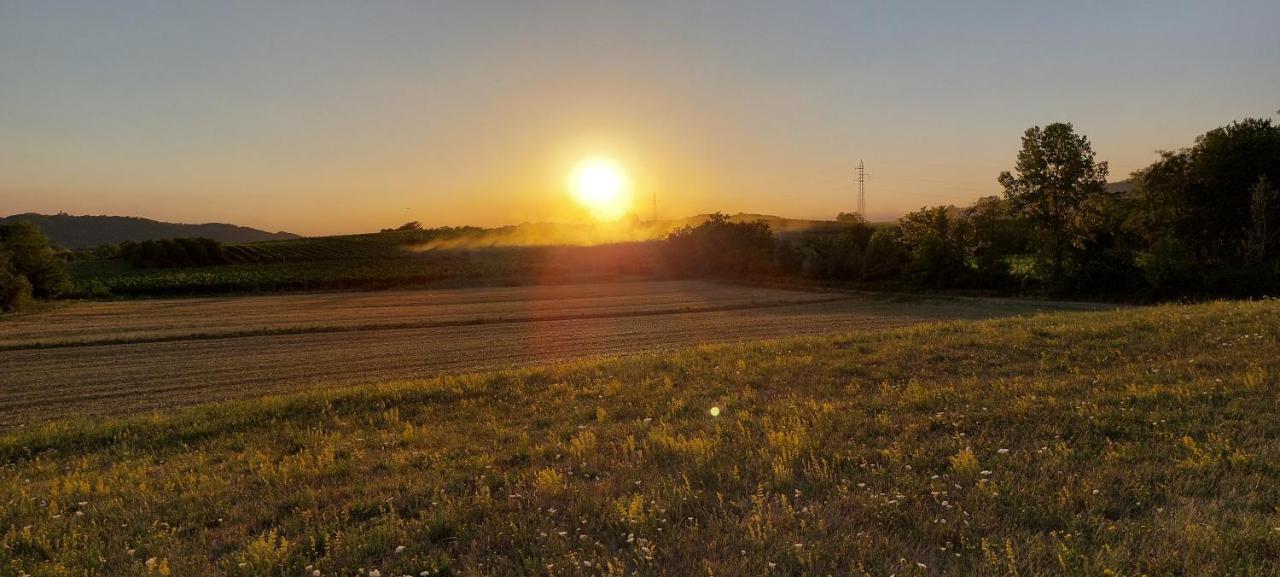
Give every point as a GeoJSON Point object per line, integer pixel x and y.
{"type": "Point", "coordinates": [1134, 442]}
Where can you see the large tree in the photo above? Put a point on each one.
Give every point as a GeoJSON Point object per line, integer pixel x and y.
{"type": "Point", "coordinates": [1055, 174]}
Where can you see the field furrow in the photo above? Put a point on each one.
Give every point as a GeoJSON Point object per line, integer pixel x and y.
{"type": "Point", "coordinates": [97, 379]}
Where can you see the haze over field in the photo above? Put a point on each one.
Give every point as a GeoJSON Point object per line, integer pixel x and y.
{"type": "Point", "coordinates": [273, 116]}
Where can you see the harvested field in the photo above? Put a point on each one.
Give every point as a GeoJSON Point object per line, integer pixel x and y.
{"type": "Point", "coordinates": [72, 361]}
{"type": "Point", "coordinates": [177, 319]}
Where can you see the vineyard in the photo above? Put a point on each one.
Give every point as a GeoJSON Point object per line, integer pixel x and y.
{"type": "Point", "coordinates": [366, 262]}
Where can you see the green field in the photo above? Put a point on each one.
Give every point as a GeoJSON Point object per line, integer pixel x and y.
{"type": "Point", "coordinates": [368, 261]}
{"type": "Point", "coordinates": [1133, 442]}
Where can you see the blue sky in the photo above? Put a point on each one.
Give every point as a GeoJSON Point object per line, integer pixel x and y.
{"type": "Point", "coordinates": [341, 117]}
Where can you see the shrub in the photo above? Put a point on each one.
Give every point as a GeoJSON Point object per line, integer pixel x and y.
{"type": "Point", "coordinates": [15, 290]}
{"type": "Point", "coordinates": [885, 255]}
{"type": "Point", "coordinates": [720, 248]}
{"type": "Point", "coordinates": [30, 256]}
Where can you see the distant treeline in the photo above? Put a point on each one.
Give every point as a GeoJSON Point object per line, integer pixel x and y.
{"type": "Point", "coordinates": [1203, 221]}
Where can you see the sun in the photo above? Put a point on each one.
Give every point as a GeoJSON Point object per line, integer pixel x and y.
{"type": "Point", "coordinates": [601, 186]}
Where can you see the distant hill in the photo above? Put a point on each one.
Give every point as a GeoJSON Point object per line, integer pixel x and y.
{"type": "Point", "coordinates": [88, 231]}
{"type": "Point", "coordinates": [1121, 187]}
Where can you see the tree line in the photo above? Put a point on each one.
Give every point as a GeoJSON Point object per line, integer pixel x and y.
{"type": "Point", "coordinates": [1201, 221]}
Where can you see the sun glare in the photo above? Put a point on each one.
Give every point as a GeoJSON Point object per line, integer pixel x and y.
{"type": "Point", "coordinates": [601, 186]}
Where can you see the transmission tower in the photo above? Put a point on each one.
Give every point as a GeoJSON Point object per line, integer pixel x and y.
{"type": "Point", "coordinates": [862, 193]}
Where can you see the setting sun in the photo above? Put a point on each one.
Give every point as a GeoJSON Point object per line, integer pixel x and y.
{"type": "Point", "coordinates": [601, 186]}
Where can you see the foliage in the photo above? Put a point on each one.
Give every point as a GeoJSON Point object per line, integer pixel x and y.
{"type": "Point", "coordinates": [1104, 259]}
{"type": "Point", "coordinates": [995, 233]}
{"type": "Point", "coordinates": [28, 255]}
{"type": "Point", "coordinates": [1262, 235]}
{"type": "Point", "coordinates": [720, 248]}
{"type": "Point", "coordinates": [838, 254]}
{"type": "Point", "coordinates": [1138, 441]}
{"type": "Point", "coordinates": [15, 289]}
{"type": "Point", "coordinates": [1055, 175]}
{"type": "Point", "coordinates": [936, 241]}
{"type": "Point", "coordinates": [1212, 198]}
{"type": "Point", "coordinates": [886, 256]}
{"type": "Point", "coordinates": [173, 253]}
{"type": "Point", "coordinates": [411, 225]}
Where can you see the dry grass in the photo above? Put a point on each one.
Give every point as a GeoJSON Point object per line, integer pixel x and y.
{"type": "Point", "coordinates": [257, 354]}
{"type": "Point", "coordinates": [1133, 442]}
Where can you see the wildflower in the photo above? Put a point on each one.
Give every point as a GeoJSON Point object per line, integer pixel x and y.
{"type": "Point", "coordinates": [1003, 451]}
{"type": "Point", "coordinates": [400, 549]}
{"type": "Point", "coordinates": [375, 573]}
{"type": "Point", "coordinates": [715, 411]}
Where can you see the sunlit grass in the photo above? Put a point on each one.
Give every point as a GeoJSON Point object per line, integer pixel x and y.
{"type": "Point", "coordinates": [1133, 442]}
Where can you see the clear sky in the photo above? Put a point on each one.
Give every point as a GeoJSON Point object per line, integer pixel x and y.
{"type": "Point", "coordinates": [320, 118]}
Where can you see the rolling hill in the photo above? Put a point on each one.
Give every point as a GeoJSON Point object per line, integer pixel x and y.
{"type": "Point", "coordinates": [88, 231]}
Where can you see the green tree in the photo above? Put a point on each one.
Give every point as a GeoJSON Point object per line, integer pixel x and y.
{"type": "Point", "coordinates": [885, 255]}
{"type": "Point", "coordinates": [30, 256]}
{"type": "Point", "coordinates": [1055, 173]}
{"type": "Point", "coordinates": [936, 239]}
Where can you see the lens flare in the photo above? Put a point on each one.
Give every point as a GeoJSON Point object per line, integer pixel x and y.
{"type": "Point", "coordinates": [601, 186]}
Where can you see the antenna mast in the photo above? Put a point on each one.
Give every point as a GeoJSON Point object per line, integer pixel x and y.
{"type": "Point", "coordinates": [862, 193]}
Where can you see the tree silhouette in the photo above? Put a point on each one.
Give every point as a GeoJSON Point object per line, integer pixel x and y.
{"type": "Point", "coordinates": [1055, 173]}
